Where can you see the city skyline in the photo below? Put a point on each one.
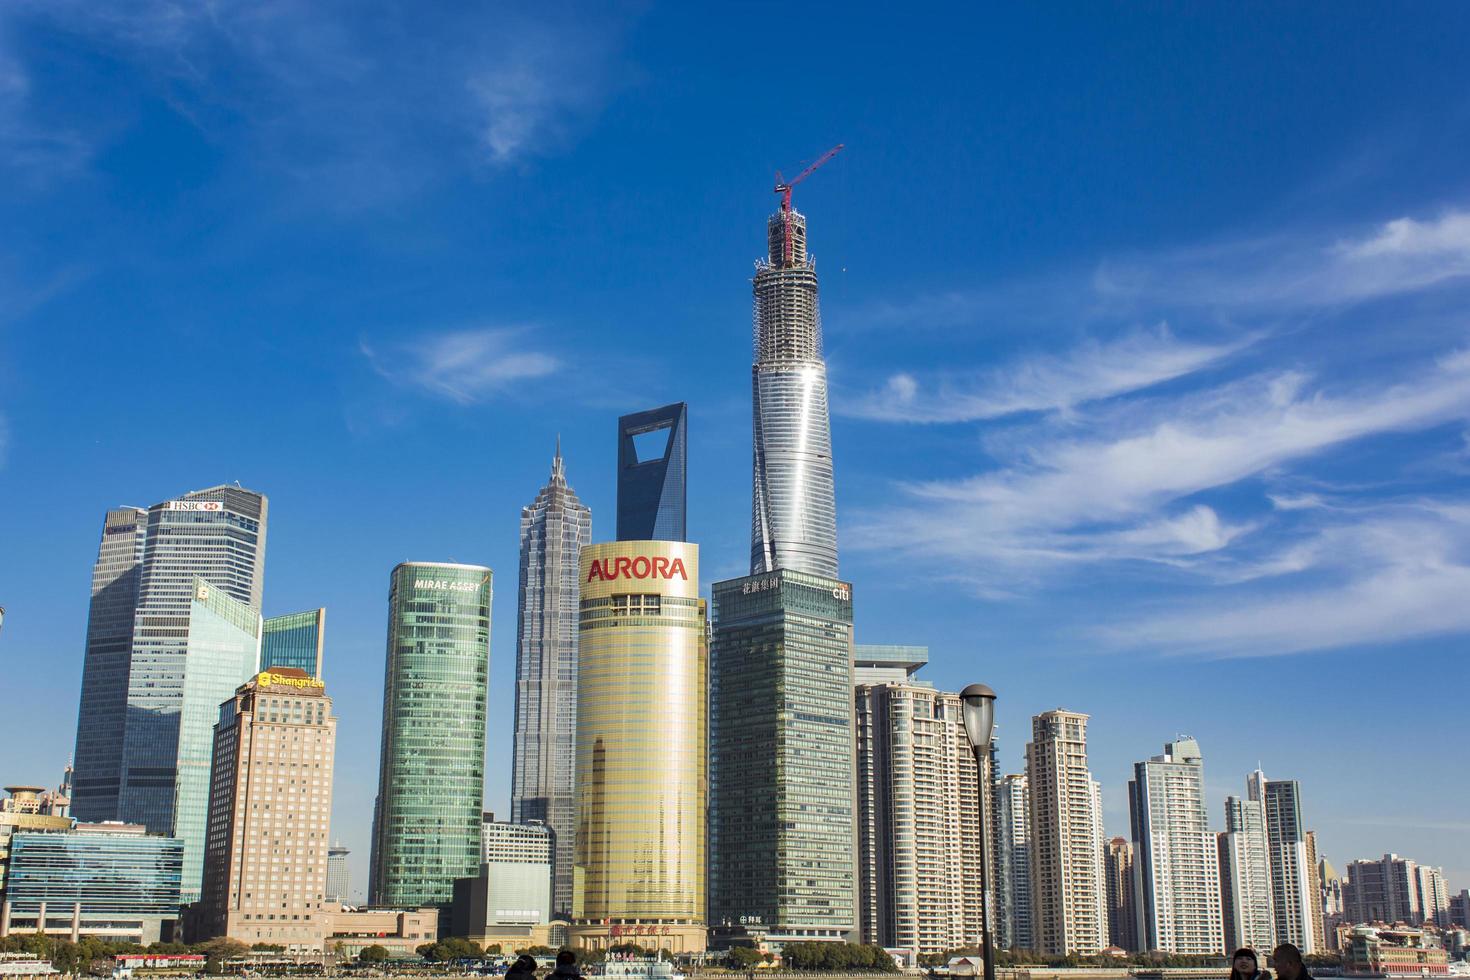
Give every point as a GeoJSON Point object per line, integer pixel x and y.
{"type": "Point", "coordinates": [1116, 430]}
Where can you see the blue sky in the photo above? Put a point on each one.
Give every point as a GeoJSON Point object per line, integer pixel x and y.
{"type": "Point", "coordinates": [1146, 329]}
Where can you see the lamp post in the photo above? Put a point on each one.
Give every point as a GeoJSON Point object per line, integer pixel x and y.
{"type": "Point", "coordinates": [979, 712]}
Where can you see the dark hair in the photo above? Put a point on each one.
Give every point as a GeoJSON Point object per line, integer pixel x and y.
{"type": "Point", "coordinates": [1244, 951]}
{"type": "Point", "coordinates": [525, 962]}
{"type": "Point", "coordinates": [1287, 952]}
{"type": "Point", "coordinates": [566, 958]}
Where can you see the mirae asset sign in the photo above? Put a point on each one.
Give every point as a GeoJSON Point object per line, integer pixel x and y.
{"type": "Point", "coordinates": [445, 585]}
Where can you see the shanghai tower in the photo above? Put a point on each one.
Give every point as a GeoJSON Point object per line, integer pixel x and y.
{"type": "Point", "coordinates": [793, 513]}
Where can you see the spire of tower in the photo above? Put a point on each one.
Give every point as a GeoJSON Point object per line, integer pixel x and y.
{"type": "Point", "coordinates": [558, 471]}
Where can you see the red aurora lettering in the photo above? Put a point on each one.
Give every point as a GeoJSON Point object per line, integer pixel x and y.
{"type": "Point", "coordinates": [609, 569]}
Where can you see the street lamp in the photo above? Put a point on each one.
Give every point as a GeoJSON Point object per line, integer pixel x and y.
{"type": "Point", "coordinates": [979, 712]}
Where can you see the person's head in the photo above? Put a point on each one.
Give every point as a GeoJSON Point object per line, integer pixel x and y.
{"type": "Point", "coordinates": [566, 958]}
{"type": "Point", "coordinates": [1288, 961]}
{"type": "Point", "coordinates": [525, 962]}
{"type": "Point", "coordinates": [1244, 964]}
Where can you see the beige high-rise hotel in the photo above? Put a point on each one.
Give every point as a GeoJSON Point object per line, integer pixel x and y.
{"type": "Point", "coordinates": [270, 808]}
{"type": "Point", "coordinates": [642, 738]}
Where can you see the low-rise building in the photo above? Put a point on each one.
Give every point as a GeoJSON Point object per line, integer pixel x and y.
{"type": "Point", "coordinates": [400, 931]}
{"type": "Point", "coordinates": [109, 880]}
{"type": "Point", "coordinates": [1371, 951]}
{"type": "Point", "coordinates": [509, 902]}
{"type": "Point", "coordinates": [28, 808]}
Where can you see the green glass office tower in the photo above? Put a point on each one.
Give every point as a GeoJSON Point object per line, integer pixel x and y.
{"type": "Point", "coordinates": [224, 650]}
{"type": "Point", "coordinates": [431, 783]}
{"type": "Point", "coordinates": [783, 835]}
{"type": "Point", "coordinates": [294, 640]}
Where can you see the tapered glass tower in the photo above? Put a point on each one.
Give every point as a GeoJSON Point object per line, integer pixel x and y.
{"type": "Point", "coordinates": [431, 782]}
{"type": "Point", "coordinates": [793, 510]}
{"type": "Point", "coordinates": [554, 530]}
{"type": "Point", "coordinates": [103, 713]}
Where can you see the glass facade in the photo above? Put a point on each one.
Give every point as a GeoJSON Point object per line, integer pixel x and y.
{"type": "Point", "coordinates": [216, 536]}
{"type": "Point", "coordinates": [431, 782]}
{"type": "Point", "coordinates": [294, 640]}
{"type": "Point", "coordinates": [109, 873]}
{"type": "Point", "coordinates": [554, 529]}
{"type": "Point", "coordinates": [224, 651]}
{"type": "Point", "coordinates": [652, 486]}
{"type": "Point", "coordinates": [793, 506]}
{"type": "Point", "coordinates": [641, 748]}
{"type": "Point", "coordinates": [103, 711]}
{"type": "Point", "coordinates": [782, 795]}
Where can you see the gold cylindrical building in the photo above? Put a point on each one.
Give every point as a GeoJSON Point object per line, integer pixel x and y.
{"type": "Point", "coordinates": [642, 679]}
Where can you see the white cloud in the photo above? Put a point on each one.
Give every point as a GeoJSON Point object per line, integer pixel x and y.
{"type": "Point", "coordinates": [1280, 274]}
{"type": "Point", "coordinates": [1085, 492]}
{"type": "Point", "coordinates": [357, 108]}
{"type": "Point", "coordinates": [1399, 573]}
{"type": "Point", "coordinates": [1091, 371]}
{"type": "Point", "coordinates": [464, 366]}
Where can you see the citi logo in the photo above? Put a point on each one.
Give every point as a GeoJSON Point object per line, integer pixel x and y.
{"type": "Point", "coordinates": [609, 569]}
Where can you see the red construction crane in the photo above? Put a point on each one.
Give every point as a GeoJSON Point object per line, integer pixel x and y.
{"type": "Point", "coordinates": [784, 187]}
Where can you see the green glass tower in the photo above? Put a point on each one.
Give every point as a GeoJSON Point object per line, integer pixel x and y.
{"type": "Point", "coordinates": [294, 640]}
{"type": "Point", "coordinates": [431, 782]}
{"type": "Point", "coordinates": [782, 835]}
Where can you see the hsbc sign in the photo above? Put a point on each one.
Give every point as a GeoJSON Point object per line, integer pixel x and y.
{"type": "Point", "coordinates": [637, 567]}
{"type": "Point", "coordinates": [206, 505]}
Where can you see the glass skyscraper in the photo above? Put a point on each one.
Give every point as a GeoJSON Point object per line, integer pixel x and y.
{"type": "Point", "coordinates": [793, 508]}
{"type": "Point", "coordinates": [554, 529]}
{"type": "Point", "coordinates": [652, 474]}
{"type": "Point", "coordinates": [782, 795]}
{"type": "Point", "coordinates": [223, 652]}
{"type": "Point", "coordinates": [144, 716]}
{"type": "Point", "coordinates": [431, 780]}
{"type": "Point", "coordinates": [642, 716]}
{"type": "Point", "coordinates": [294, 640]}
{"type": "Point", "coordinates": [103, 711]}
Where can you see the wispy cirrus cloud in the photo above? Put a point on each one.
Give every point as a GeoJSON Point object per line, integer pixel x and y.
{"type": "Point", "coordinates": [1288, 273]}
{"type": "Point", "coordinates": [361, 104]}
{"type": "Point", "coordinates": [1116, 486]}
{"type": "Point", "coordinates": [1046, 382]}
{"type": "Point", "coordinates": [1244, 278]}
{"type": "Point", "coordinates": [1394, 573]}
{"type": "Point", "coordinates": [1135, 454]}
{"type": "Point", "coordinates": [462, 366]}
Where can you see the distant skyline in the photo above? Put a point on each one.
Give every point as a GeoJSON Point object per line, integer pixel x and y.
{"type": "Point", "coordinates": [1145, 332]}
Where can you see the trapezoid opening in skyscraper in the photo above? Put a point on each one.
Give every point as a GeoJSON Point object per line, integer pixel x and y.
{"type": "Point", "coordinates": [652, 485]}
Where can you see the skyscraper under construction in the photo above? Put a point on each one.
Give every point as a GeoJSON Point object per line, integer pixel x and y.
{"type": "Point", "coordinates": [783, 830]}
{"type": "Point", "coordinates": [793, 512]}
